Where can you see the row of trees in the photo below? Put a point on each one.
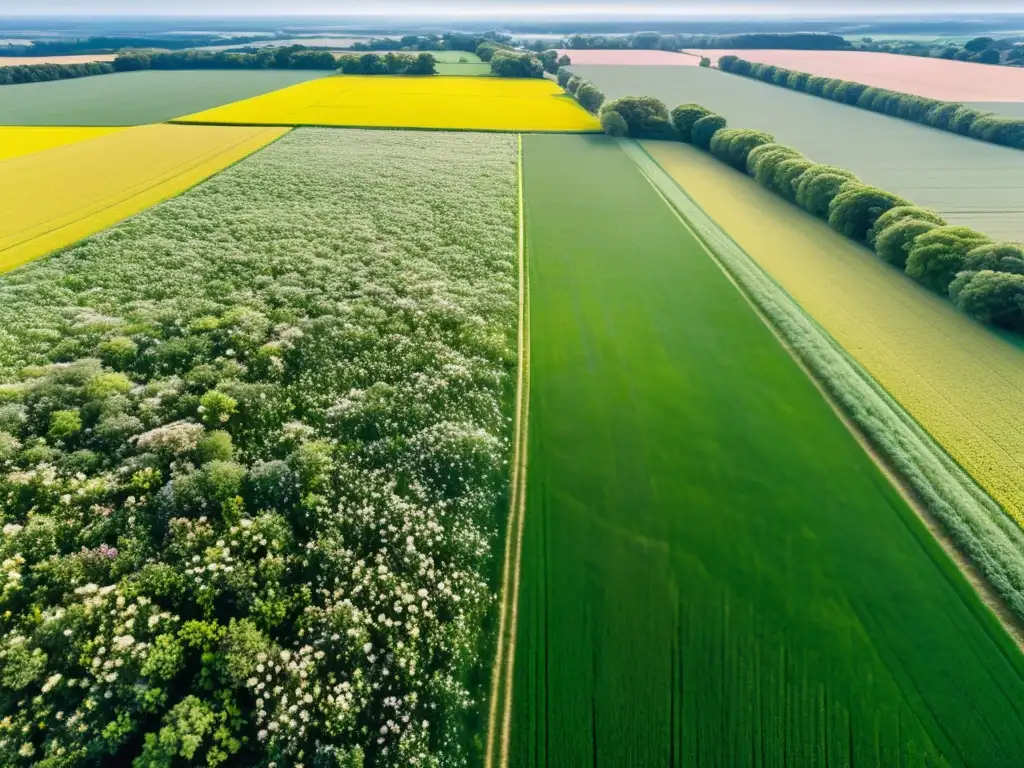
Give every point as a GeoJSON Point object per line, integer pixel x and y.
{"type": "Point", "coordinates": [656, 41]}
{"type": "Point", "coordinates": [945, 115]}
{"type": "Point", "coordinates": [981, 50]}
{"type": "Point", "coordinates": [585, 92]}
{"type": "Point", "coordinates": [114, 44]}
{"type": "Point", "coordinates": [292, 57]}
{"type": "Point", "coordinates": [983, 278]}
{"type": "Point", "coordinates": [40, 73]}
{"type": "Point", "coordinates": [507, 63]}
{"type": "Point", "coordinates": [388, 64]}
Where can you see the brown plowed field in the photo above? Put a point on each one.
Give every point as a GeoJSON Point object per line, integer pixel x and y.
{"type": "Point", "coordinates": [935, 78]}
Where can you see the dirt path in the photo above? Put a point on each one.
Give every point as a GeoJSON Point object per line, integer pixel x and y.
{"type": "Point", "coordinates": [499, 720]}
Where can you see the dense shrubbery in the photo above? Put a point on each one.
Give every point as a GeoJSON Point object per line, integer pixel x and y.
{"type": "Point", "coordinates": [388, 64]}
{"type": "Point", "coordinates": [486, 49]}
{"type": "Point", "coordinates": [39, 73]}
{"type": "Point", "coordinates": [811, 41]}
{"type": "Point", "coordinates": [940, 257]}
{"type": "Point", "coordinates": [987, 126]}
{"type": "Point", "coordinates": [512, 64]}
{"type": "Point", "coordinates": [587, 94]}
{"type": "Point", "coordinates": [253, 445]}
{"type": "Point", "coordinates": [645, 117]}
{"type": "Point", "coordinates": [293, 57]}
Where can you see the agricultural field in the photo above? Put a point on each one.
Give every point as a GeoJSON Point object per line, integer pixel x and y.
{"type": "Point", "coordinates": [17, 141]}
{"type": "Point", "coordinates": [967, 181]}
{"type": "Point", "coordinates": [942, 79]}
{"type": "Point", "coordinates": [1007, 108]}
{"type": "Point", "coordinates": [471, 69]}
{"type": "Point", "coordinates": [13, 61]}
{"type": "Point", "coordinates": [714, 572]}
{"type": "Point", "coordinates": [475, 104]}
{"type": "Point", "coordinates": [958, 379]}
{"type": "Point", "coordinates": [54, 198]}
{"type": "Point", "coordinates": [137, 98]}
{"type": "Point", "coordinates": [617, 57]}
{"type": "Point", "coordinates": [261, 429]}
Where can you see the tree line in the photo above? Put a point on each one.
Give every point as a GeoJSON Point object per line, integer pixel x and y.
{"type": "Point", "coordinates": [40, 73]}
{"type": "Point", "coordinates": [805, 41]}
{"type": "Point", "coordinates": [982, 277]}
{"type": "Point", "coordinates": [585, 92]}
{"type": "Point", "coordinates": [980, 50]}
{"type": "Point", "coordinates": [945, 115]}
{"type": "Point", "coordinates": [291, 57]}
{"type": "Point", "coordinates": [114, 44]}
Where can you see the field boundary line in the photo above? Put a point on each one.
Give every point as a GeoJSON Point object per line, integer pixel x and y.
{"type": "Point", "coordinates": [916, 488]}
{"type": "Point", "coordinates": [500, 708]}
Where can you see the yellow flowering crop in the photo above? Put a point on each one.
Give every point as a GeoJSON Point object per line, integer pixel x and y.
{"type": "Point", "coordinates": [16, 141]}
{"type": "Point", "coordinates": [53, 198]}
{"type": "Point", "coordinates": [958, 379]}
{"type": "Point", "coordinates": [466, 103]}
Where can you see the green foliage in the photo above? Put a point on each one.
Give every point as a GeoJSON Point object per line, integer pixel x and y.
{"type": "Point", "coordinates": [589, 97]}
{"type": "Point", "coordinates": [894, 243]}
{"type": "Point", "coordinates": [207, 535]}
{"type": "Point", "coordinates": [705, 61]}
{"type": "Point", "coordinates": [797, 81]}
{"type": "Point", "coordinates": [613, 123]}
{"type": "Point", "coordinates": [936, 256]}
{"type": "Point", "coordinates": [645, 116]}
{"type": "Point", "coordinates": [732, 145]}
{"type": "Point", "coordinates": [563, 77]}
{"type": "Point", "coordinates": [549, 60]}
{"type": "Point", "coordinates": [994, 297]}
{"type": "Point", "coordinates": [818, 185]}
{"type": "Point", "coordinates": [998, 257]}
{"type": "Point", "coordinates": [900, 212]}
{"type": "Point", "coordinates": [573, 84]}
{"type": "Point", "coordinates": [288, 57]}
{"type": "Point", "coordinates": [683, 118]}
{"type": "Point", "coordinates": [854, 211]}
{"type": "Point", "coordinates": [785, 179]}
{"type": "Point", "coordinates": [963, 119]}
{"type": "Point", "coordinates": [763, 159]}
{"type": "Point", "coordinates": [511, 64]}
{"type": "Point", "coordinates": [705, 129]}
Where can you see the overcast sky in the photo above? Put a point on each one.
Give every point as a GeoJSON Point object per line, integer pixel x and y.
{"type": "Point", "coordinates": [591, 8]}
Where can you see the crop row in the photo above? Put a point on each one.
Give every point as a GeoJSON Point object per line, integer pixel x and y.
{"type": "Point", "coordinates": [252, 448]}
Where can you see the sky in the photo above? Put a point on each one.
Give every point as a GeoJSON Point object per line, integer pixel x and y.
{"type": "Point", "coordinates": [505, 8]}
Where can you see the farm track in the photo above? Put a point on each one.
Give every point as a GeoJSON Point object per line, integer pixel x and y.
{"type": "Point", "coordinates": [662, 576]}
{"type": "Point", "coordinates": [500, 708]}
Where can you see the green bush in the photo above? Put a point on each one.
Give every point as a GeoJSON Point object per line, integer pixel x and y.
{"type": "Point", "coordinates": [854, 211]}
{"type": "Point", "coordinates": [613, 123]}
{"type": "Point", "coordinates": [998, 257]}
{"type": "Point", "coordinates": [994, 297]}
{"type": "Point", "coordinates": [589, 97]}
{"type": "Point", "coordinates": [899, 213]}
{"type": "Point", "coordinates": [683, 118]}
{"type": "Point", "coordinates": [936, 256]}
{"type": "Point", "coordinates": [786, 178]}
{"type": "Point", "coordinates": [563, 77]}
{"type": "Point", "coordinates": [733, 145]}
{"type": "Point", "coordinates": [511, 64]}
{"type": "Point", "coordinates": [645, 116]}
{"type": "Point", "coordinates": [894, 243]}
{"type": "Point", "coordinates": [798, 81]}
{"type": "Point", "coordinates": [574, 83]}
{"type": "Point", "coordinates": [762, 160]}
{"type": "Point", "coordinates": [818, 185]}
{"type": "Point", "coordinates": [963, 119]}
{"type": "Point", "coordinates": [705, 129]}
{"type": "Point", "coordinates": [940, 116]}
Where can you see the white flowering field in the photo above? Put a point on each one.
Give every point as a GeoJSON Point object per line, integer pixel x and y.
{"type": "Point", "coordinates": [253, 457]}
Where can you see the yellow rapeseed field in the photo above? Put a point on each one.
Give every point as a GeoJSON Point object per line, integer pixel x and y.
{"type": "Point", "coordinates": [16, 141]}
{"type": "Point", "coordinates": [54, 198]}
{"type": "Point", "coordinates": [464, 103]}
{"type": "Point", "coordinates": [960, 380]}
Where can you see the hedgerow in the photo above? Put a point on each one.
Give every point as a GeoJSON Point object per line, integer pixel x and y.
{"type": "Point", "coordinates": [252, 458]}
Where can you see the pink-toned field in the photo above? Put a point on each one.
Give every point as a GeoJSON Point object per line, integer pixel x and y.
{"type": "Point", "coordinates": [934, 78]}
{"type": "Point", "coordinates": [13, 61]}
{"type": "Point", "coordinates": [625, 58]}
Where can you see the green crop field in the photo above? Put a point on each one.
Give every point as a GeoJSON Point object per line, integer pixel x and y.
{"type": "Point", "coordinates": [472, 69]}
{"type": "Point", "coordinates": [969, 182]}
{"type": "Point", "coordinates": [135, 98]}
{"type": "Point", "coordinates": [713, 570]}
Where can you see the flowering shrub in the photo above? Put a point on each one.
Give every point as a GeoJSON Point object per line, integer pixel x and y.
{"type": "Point", "coordinates": [252, 456]}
